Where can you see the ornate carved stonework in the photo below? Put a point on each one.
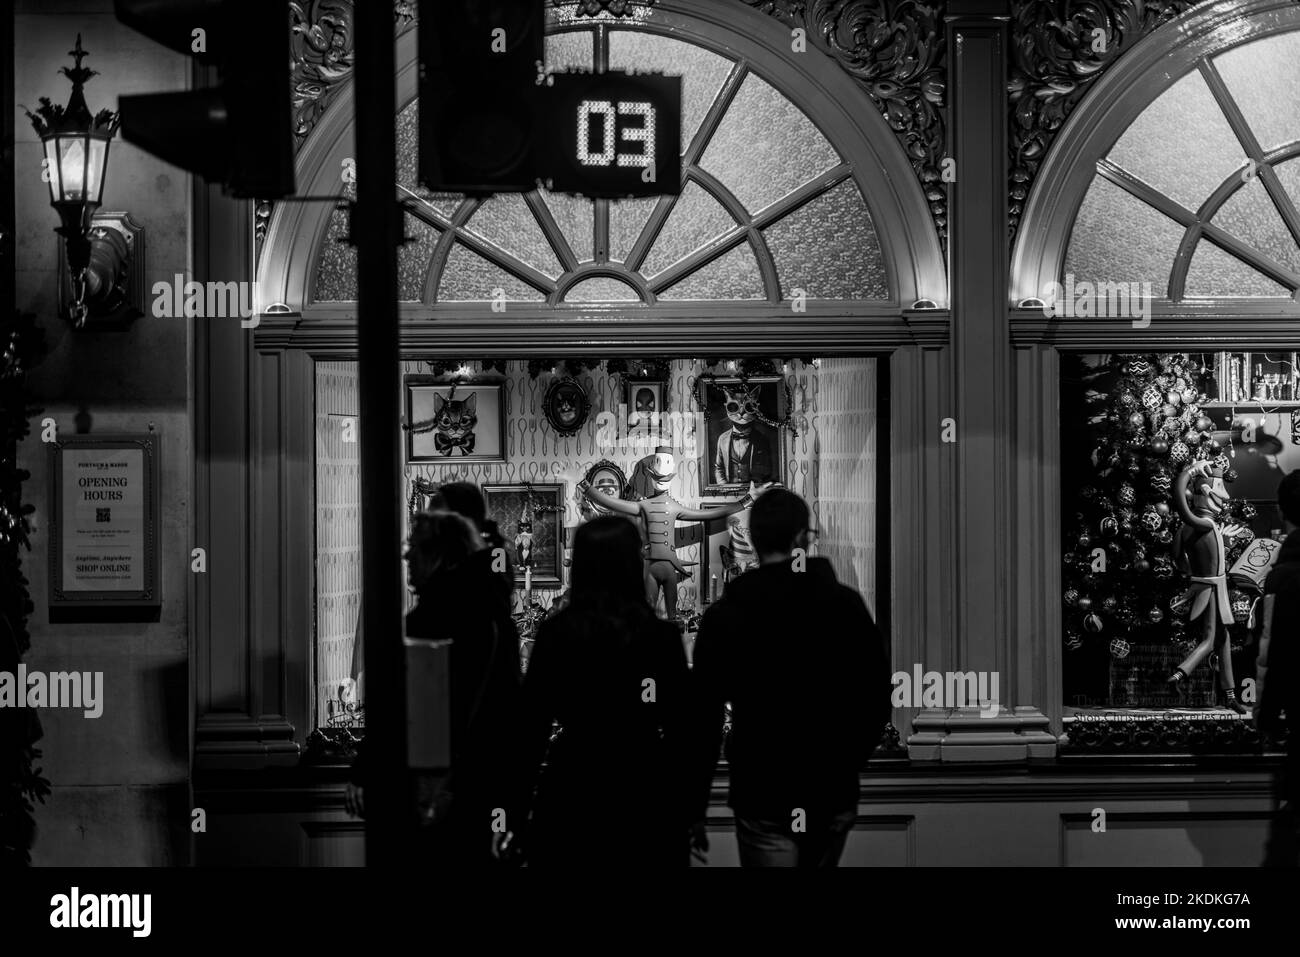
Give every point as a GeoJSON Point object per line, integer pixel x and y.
{"type": "Point", "coordinates": [895, 50]}
{"type": "Point", "coordinates": [593, 8]}
{"type": "Point", "coordinates": [1059, 49]}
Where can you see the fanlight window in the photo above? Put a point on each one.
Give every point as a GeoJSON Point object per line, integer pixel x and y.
{"type": "Point", "coordinates": [769, 208]}
{"type": "Point", "coordinates": [1199, 196]}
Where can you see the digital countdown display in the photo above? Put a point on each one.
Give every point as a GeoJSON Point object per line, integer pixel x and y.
{"type": "Point", "coordinates": [613, 134]}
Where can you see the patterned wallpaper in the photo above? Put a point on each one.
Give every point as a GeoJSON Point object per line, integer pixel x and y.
{"type": "Point", "coordinates": [831, 460]}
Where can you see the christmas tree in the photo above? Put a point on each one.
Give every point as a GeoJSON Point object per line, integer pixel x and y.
{"type": "Point", "coordinates": [20, 780]}
{"type": "Point", "coordinates": [1142, 424]}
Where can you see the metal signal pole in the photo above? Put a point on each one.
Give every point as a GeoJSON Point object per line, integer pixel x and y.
{"type": "Point", "coordinates": [389, 805]}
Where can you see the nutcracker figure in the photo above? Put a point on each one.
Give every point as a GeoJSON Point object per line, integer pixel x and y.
{"type": "Point", "coordinates": [659, 514]}
{"type": "Point", "coordinates": [1200, 497]}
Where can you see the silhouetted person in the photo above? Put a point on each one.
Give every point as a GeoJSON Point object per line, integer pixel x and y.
{"type": "Point", "coordinates": [615, 678]}
{"type": "Point", "coordinates": [800, 660]}
{"type": "Point", "coordinates": [460, 598]}
{"type": "Point", "coordinates": [1277, 671]}
{"type": "Point", "coordinates": [465, 498]}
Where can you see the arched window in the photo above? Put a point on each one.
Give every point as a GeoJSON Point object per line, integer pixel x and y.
{"type": "Point", "coordinates": [1195, 190]}
{"type": "Point", "coordinates": [769, 207]}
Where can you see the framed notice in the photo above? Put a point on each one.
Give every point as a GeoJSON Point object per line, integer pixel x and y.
{"type": "Point", "coordinates": [104, 529]}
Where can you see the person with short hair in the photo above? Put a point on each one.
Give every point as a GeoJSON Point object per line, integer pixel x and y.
{"type": "Point", "coordinates": [804, 668]}
{"type": "Point", "coordinates": [1277, 669]}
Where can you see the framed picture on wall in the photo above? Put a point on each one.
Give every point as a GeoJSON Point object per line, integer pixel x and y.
{"type": "Point", "coordinates": [450, 423]}
{"type": "Point", "coordinates": [646, 401]}
{"type": "Point", "coordinates": [742, 435]}
{"type": "Point", "coordinates": [531, 519]}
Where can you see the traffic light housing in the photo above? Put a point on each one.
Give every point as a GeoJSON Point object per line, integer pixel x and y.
{"type": "Point", "coordinates": [480, 61]}
{"type": "Point", "coordinates": [240, 132]}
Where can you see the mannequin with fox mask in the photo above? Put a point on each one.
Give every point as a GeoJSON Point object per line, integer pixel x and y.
{"type": "Point", "coordinates": [1200, 497]}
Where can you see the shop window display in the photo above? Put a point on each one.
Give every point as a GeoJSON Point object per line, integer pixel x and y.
{"type": "Point", "coordinates": [681, 445]}
{"type": "Point", "coordinates": [1170, 467]}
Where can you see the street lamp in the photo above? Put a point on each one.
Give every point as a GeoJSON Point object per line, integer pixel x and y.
{"type": "Point", "coordinates": [76, 158]}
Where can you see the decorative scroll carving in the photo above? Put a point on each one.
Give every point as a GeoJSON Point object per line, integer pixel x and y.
{"type": "Point", "coordinates": [895, 51]}
{"type": "Point", "coordinates": [594, 8]}
{"type": "Point", "coordinates": [1059, 49]}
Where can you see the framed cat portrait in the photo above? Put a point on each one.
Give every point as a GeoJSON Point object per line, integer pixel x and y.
{"type": "Point", "coordinates": [449, 423]}
{"type": "Point", "coordinates": [743, 439]}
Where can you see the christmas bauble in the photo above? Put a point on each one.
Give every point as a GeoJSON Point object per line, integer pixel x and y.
{"type": "Point", "coordinates": [1137, 420]}
{"type": "Point", "coordinates": [1168, 410]}
{"type": "Point", "coordinates": [1137, 440]}
{"type": "Point", "coordinates": [1248, 511]}
{"type": "Point", "coordinates": [1214, 446]}
{"type": "Point", "coordinates": [1126, 494]}
{"type": "Point", "coordinates": [1221, 463]}
{"type": "Point", "coordinates": [1108, 526]}
{"type": "Point", "coordinates": [1151, 519]}
{"type": "Point", "coordinates": [1139, 367]}
{"type": "Point", "coordinates": [1119, 648]}
{"type": "Point", "coordinates": [1084, 540]}
{"type": "Point", "coordinates": [1151, 397]}
{"type": "Point", "coordinates": [1127, 400]}
{"type": "Point", "coordinates": [1133, 464]}
{"type": "Point", "coordinates": [1161, 482]}
{"type": "Point", "coordinates": [1203, 423]}
{"type": "Point", "coordinates": [1190, 395]}
{"type": "Point", "coordinates": [1192, 437]}
{"type": "Point", "coordinates": [1092, 623]}
{"type": "Point", "coordinates": [1230, 475]}
{"type": "Point", "coordinates": [1071, 596]}
{"type": "Point", "coordinates": [1178, 452]}
{"type": "Point", "coordinates": [1159, 445]}
{"type": "Point", "coordinates": [1245, 536]}
{"type": "Point", "coordinates": [1162, 509]}
{"type": "Point", "coordinates": [1109, 604]}
{"type": "Point", "coordinates": [1180, 384]}
{"type": "Point", "coordinates": [1242, 604]}
{"type": "Point", "coordinates": [1164, 536]}
{"type": "Point", "coordinates": [1142, 566]}
{"type": "Point", "coordinates": [1173, 428]}
{"type": "Point", "coordinates": [1084, 603]}
{"type": "Point", "coordinates": [1173, 398]}
{"type": "Point", "coordinates": [1156, 615]}
{"type": "Point", "coordinates": [1162, 567]}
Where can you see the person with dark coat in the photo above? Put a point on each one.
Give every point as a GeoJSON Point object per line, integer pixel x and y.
{"type": "Point", "coordinates": [459, 597]}
{"type": "Point", "coordinates": [614, 677]}
{"type": "Point", "coordinates": [1277, 670]}
{"type": "Point", "coordinates": [804, 668]}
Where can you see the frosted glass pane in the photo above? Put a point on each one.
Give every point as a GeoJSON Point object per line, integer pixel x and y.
{"type": "Point", "coordinates": [506, 220]}
{"type": "Point", "coordinates": [1264, 79]}
{"type": "Point", "coordinates": [765, 146]}
{"type": "Point", "coordinates": [702, 71]}
{"type": "Point", "coordinates": [1218, 274]}
{"type": "Point", "coordinates": [829, 249]}
{"type": "Point", "coordinates": [1251, 216]}
{"type": "Point", "coordinates": [696, 219]}
{"type": "Point", "coordinates": [1119, 238]}
{"type": "Point", "coordinates": [575, 215]}
{"type": "Point", "coordinates": [336, 270]}
{"type": "Point", "coordinates": [602, 289]}
{"type": "Point", "coordinates": [468, 277]}
{"type": "Point", "coordinates": [1289, 174]}
{"type": "Point", "coordinates": [413, 260]}
{"type": "Point", "coordinates": [733, 276]}
{"type": "Point", "coordinates": [1181, 144]}
{"type": "Point", "coordinates": [626, 220]}
{"type": "Point", "coordinates": [571, 50]}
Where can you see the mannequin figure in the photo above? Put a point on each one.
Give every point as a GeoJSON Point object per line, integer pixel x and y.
{"type": "Point", "coordinates": [1201, 554]}
{"type": "Point", "coordinates": [659, 514]}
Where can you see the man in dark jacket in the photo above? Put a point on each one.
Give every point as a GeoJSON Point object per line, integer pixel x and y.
{"type": "Point", "coordinates": [804, 667]}
{"type": "Point", "coordinates": [1277, 671]}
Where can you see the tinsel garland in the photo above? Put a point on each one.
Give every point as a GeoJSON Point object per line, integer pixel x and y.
{"type": "Point", "coordinates": [21, 781]}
